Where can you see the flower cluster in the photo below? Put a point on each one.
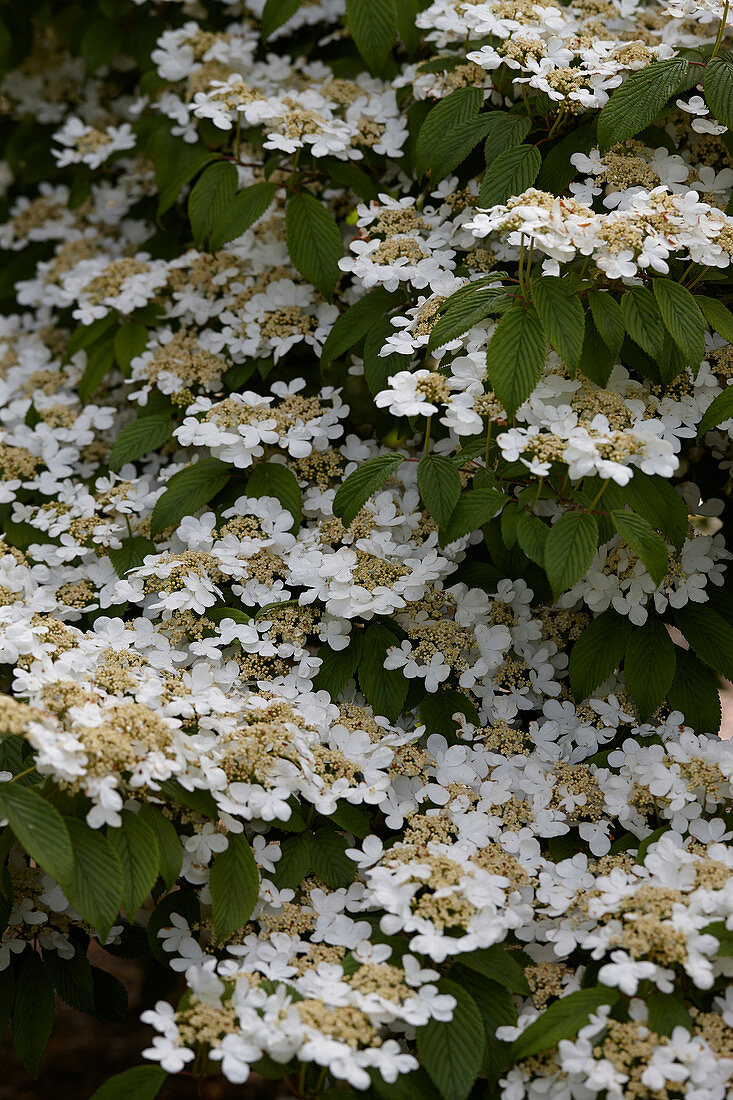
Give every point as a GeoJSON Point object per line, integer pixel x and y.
{"type": "Point", "coordinates": [365, 480]}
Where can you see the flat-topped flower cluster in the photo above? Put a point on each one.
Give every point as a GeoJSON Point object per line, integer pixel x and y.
{"type": "Point", "coordinates": [365, 478]}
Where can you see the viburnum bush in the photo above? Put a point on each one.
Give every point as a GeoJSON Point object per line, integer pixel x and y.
{"type": "Point", "coordinates": [366, 480]}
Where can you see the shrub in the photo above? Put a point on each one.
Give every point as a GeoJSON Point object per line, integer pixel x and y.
{"type": "Point", "coordinates": [365, 492]}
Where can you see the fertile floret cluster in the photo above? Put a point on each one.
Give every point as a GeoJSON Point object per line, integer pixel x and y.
{"type": "Point", "coordinates": [365, 481]}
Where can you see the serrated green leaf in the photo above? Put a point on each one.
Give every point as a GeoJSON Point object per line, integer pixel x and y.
{"type": "Point", "coordinates": [608, 319]}
{"type": "Point", "coordinates": [100, 359]}
{"type": "Point", "coordinates": [136, 846]}
{"type": "Point", "coordinates": [718, 87]}
{"type": "Point", "coordinates": [682, 318]}
{"type": "Point", "coordinates": [498, 964]}
{"type": "Point", "coordinates": [373, 26]}
{"type": "Point", "coordinates": [140, 438]}
{"type": "Point", "coordinates": [437, 709]}
{"type": "Point", "coordinates": [170, 850]}
{"type": "Point", "coordinates": [33, 1010]}
{"type": "Point", "coordinates": [642, 319]}
{"type": "Point", "coordinates": [452, 1052]}
{"type": "Point", "coordinates": [96, 883]}
{"type": "Point", "coordinates": [717, 412]}
{"type": "Point", "coordinates": [718, 316]}
{"type": "Point", "coordinates": [440, 486]}
{"type": "Point", "coordinates": [39, 828]}
{"type": "Point", "coordinates": [273, 479]}
{"type": "Point", "coordinates": [468, 307]}
{"type": "Point", "coordinates": [596, 360]}
{"type": "Point", "coordinates": [562, 1020]}
{"type": "Point", "coordinates": [294, 862]}
{"type": "Point", "coordinates": [473, 510]}
{"type": "Point", "coordinates": [130, 341]}
{"type": "Point", "coordinates": [532, 535]}
{"type": "Point", "coordinates": [385, 689]}
{"type": "Point", "coordinates": [598, 652]}
{"type": "Point", "coordinates": [72, 978]}
{"type": "Point", "coordinates": [314, 241]}
{"type": "Point", "coordinates": [359, 486]}
{"type": "Point", "coordinates": [338, 665]}
{"type": "Point", "coordinates": [138, 1083]}
{"type": "Point", "coordinates": [649, 666]}
{"type": "Point", "coordinates": [187, 491]}
{"type": "Point", "coordinates": [709, 634]}
{"type": "Point", "coordinates": [561, 315]}
{"type": "Point", "coordinates": [234, 884]}
{"type": "Point", "coordinates": [569, 549]}
{"type": "Point", "coordinates": [647, 544]}
{"type": "Point", "coordinates": [653, 496]}
{"type": "Point", "coordinates": [329, 860]}
{"type": "Point", "coordinates": [666, 1012]}
{"type": "Point", "coordinates": [511, 173]}
{"type": "Point", "coordinates": [242, 212]}
{"type": "Point", "coordinates": [213, 192]}
{"type": "Point", "coordinates": [454, 111]}
{"type": "Point", "coordinates": [131, 554]}
{"type": "Point", "coordinates": [86, 335]}
{"type": "Point", "coordinates": [275, 13]}
{"type": "Point", "coordinates": [356, 322]}
{"type": "Point", "coordinates": [638, 101]}
{"type": "Point", "coordinates": [515, 357]}
{"type": "Point", "coordinates": [694, 691]}
{"type": "Point", "coordinates": [504, 132]}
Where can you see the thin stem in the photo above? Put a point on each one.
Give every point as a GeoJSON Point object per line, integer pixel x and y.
{"type": "Point", "coordinates": [21, 774]}
{"type": "Point", "coordinates": [427, 436]}
{"type": "Point", "coordinates": [488, 440]}
{"type": "Point", "coordinates": [598, 496]}
{"type": "Point", "coordinates": [721, 30]}
{"type": "Point", "coordinates": [521, 262]}
{"type": "Point", "coordinates": [539, 490]}
{"type": "Point", "coordinates": [237, 135]}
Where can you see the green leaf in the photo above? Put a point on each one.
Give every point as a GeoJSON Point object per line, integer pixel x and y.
{"type": "Point", "coordinates": [373, 26]}
{"type": "Point", "coordinates": [649, 666]}
{"type": "Point", "coordinates": [242, 212]}
{"type": "Point", "coordinates": [558, 171]}
{"type": "Point", "coordinates": [386, 690]}
{"type": "Point", "coordinates": [569, 549]}
{"type": "Point", "coordinates": [511, 173]}
{"type": "Point", "coordinates": [294, 862]}
{"type": "Point", "coordinates": [187, 491]}
{"type": "Point", "coordinates": [314, 241]}
{"type": "Point", "coordinates": [561, 315]}
{"type": "Point", "coordinates": [200, 801]}
{"type": "Point", "coordinates": [717, 412]}
{"type": "Point", "coordinates": [140, 438]}
{"type": "Point", "coordinates": [666, 1012]}
{"type": "Point", "coordinates": [72, 978]}
{"type": "Point", "coordinates": [176, 168]}
{"type": "Point", "coordinates": [647, 544]}
{"type": "Point", "coordinates": [7, 998]}
{"type": "Point", "coordinates": [136, 846]}
{"type": "Point", "coordinates": [598, 652]}
{"type": "Point", "coordinates": [448, 115]}
{"type": "Point", "coordinates": [532, 535]}
{"type": "Point", "coordinates": [138, 1083]}
{"type": "Point", "coordinates": [359, 486]}
{"type": "Point", "coordinates": [33, 1010]}
{"type": "Point", "coordinates": [455, 145]}
{"type": "Point", "coordinates": [130, 341]}
{"type": "Point", "coordinates": [718, 316]}
{"type": "Point", "coordinates": [96, 884]}
{"type": "Point", "coordinates": [355, 323]}
{"type": "Point", "coordinates": [718, 87]}
{"type": "Point", "coordinates": [170, 850]}
{"type": "Point", "coordinates": [40, 829]}
{"type": "Point", "coordinates": [709, 634]}
{"type": "Point", "coordinates": [329, 860]}
{"type": "Point", "coordinates": [654, 497]}
{"type": "Point", "coordinates": [474, 509]}
{"type": "Point", "coordinates": [338, 665]}
{"type": "Point", "coordinates": [234, 883]}
{"type": "Point", "coordinates": [273, 479]}
{"type": "Point", "coordinates": [378, 368]}
{"type": "Point", "coordinates": [437, 709]}
{"type": "Point", "coordinates": [562, 1020]}
{"type": "Point", "coordinates": [184, 903]}
{"type": "Point", "coordinates": [86, 335]}
{"type": "Point", "coordinates": [131, 554]}
{"type": "Point", "coordinates": [682, 318]}
{"type": "Point", "coordinates": [440, 486]}
{"type": "Point", "coordinates": [608, 318]}
{"type": "Point", "coordinates": [504, 131]}
{"type": "Point", "coordinates": [210, 197]}
{"type": "Point", "coordinates": [643, 320]}
{"type": "Point", "coordinates": [499, 965]}
{"type": "Point", "coordinates": [515, 357]}
{"type": "Point", "coordinates": [452, 1052]}
{"type": "Point", "coordinates": [466, 308]}
{"type": "Point", "coordinates": [723, 935]}
{"type": "Point", "coordinates": [275, 13]}
{"type": "Point", "coordinates": [638, 101]}
{"type": "Point", "coordinates": [100, 359]}
{"type": "Point", "coordinates": [596, 361]}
